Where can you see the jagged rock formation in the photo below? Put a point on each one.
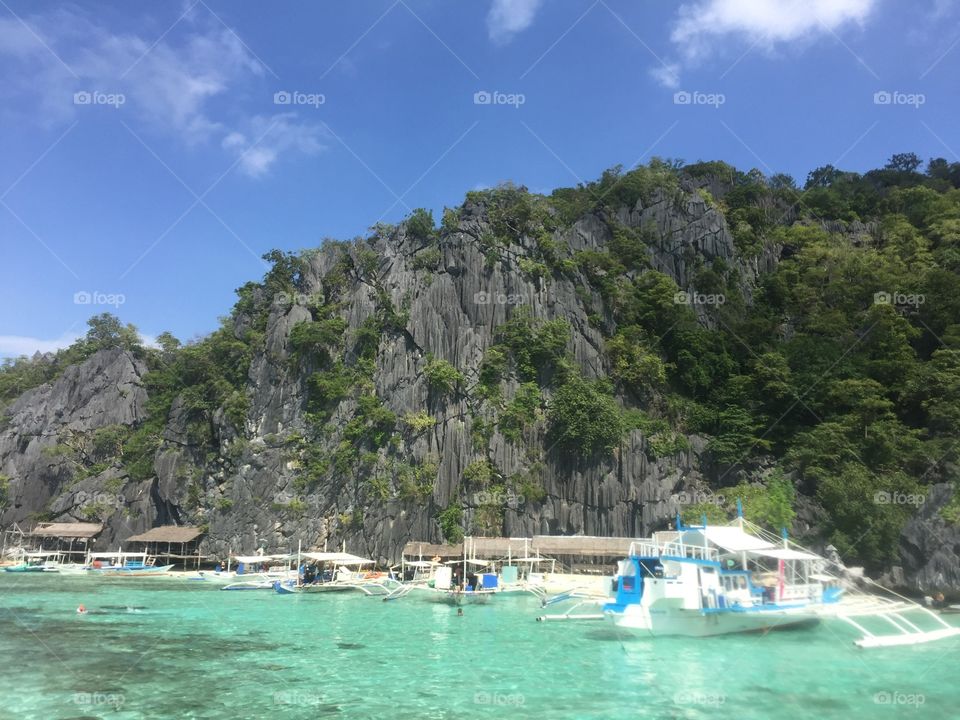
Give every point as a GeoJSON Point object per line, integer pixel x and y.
{"type": "Point", "coordinates": [103, 391]}
{"type": "Point", "coordinates": [929, 547]}
{"type": "Point", "coordinates": [284, 455]}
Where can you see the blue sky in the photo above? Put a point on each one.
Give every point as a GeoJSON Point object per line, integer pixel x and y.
{"type": "Point", "coordinates": [152, 152]}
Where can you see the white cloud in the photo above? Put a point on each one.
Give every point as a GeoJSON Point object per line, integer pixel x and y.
{"type": "Point", "coordinates": [667, 74]}
{"type": "Point", "coordinates": [509, 17]}
{"type": "Point", "coordinates": [17, 345]}
{"type": "Point", "coordinates": [187, 84]}
{"type": "Point", "coordinates": [268, 138]}
{"type": "Point", "coordinates": [765, 22]}
{"type": "Point", "coordinates": [702, 26]}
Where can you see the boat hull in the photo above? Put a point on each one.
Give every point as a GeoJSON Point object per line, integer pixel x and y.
{"type": "Point", "coordinates": [673, 621]}
{"type": "Point", "coordinates": [130, 571]}
{"type": "Point", "coordinates": [29, 569]}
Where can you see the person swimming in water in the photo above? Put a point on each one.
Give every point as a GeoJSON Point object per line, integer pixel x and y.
{"type": "Point", "coordinates": [82, 610]}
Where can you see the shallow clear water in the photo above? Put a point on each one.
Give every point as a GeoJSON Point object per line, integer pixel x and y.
{"type": "Point", "coordinates": [169, 648]}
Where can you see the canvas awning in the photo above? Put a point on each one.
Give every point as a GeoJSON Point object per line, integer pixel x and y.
{"type": "Point", "coordinates": [168, 534]}
{"type": "Point", "coordinates": [260, 558]}
{"type": "Point", "coordinates": [785, 554]}
{"type": "Point", "coordinates": [336, 557]}
{"type": "Point", "coordinates": [733, 539]}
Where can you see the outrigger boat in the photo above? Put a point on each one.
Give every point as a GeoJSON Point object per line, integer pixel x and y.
{"type": "Point", "coordinates": [438, 586]}
{"type": "Point", "coordinates": [699, 581]}
{"type": "Point", "coordinates": [39, 561]}
{"type": "Point", "coordinates": [258, 572]}
{"type": "Point", "coordinates": [323, 572]}
{"type": "Point", "coordinates": [124, 564]}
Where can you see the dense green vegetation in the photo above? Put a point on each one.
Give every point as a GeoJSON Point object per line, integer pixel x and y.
{"type": "Point", "coordinates": [843, 370]}
{"type": "Point", "coordinates": [840, 372]}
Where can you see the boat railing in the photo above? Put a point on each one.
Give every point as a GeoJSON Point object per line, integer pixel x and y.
{"type": "Point", "coordinates": [652, 548]}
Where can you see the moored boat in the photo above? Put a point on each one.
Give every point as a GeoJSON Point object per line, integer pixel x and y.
{"type": "Point", "coordinates": [322, 572]}
{"type": "Point", "coordinates": [124, 564]}
{"type": "Point", "coordinates": [258, 572]}
{"type": "Point", "coordinates": [699, 581]}
{"type": "Point", "coordinates": [40, 561]}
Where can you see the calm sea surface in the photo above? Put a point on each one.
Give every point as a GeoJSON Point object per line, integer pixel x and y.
{"type": "Point", "coordinates": [170, 648]}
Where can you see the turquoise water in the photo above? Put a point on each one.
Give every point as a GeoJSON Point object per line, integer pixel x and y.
{"type": "Point", "coordinates": [168, 648]}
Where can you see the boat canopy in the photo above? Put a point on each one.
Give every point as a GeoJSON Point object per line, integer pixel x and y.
{"type": "Point", "coordinates": [471, 561]}
{"type": "Point", "coordinates": [116, 554]}
{"type": "Point", "coordinates": [420, 563]}
{"type": "Point", "coordinates": [260, 558]}
{"type": "Point", "coordinates": [340, 558]}
{"type": "Point", "coordinates": [733, 539]}
{"type": "Point", "coordinates": [785, 554]}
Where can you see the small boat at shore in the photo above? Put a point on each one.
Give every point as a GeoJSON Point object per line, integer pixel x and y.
{"type": "Point", "coordinates": [40, 561]}
{"type": "Point", "coordinates": [437, 585]}
{"type": "Point", "coordinates": [258, 572]}
{"type": "Point", "coordinates": [322, 572]}
{"type": "Point", "coordinates": [124, 564]}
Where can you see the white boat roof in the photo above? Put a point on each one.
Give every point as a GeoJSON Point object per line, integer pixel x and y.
{"type": "Point", "coordinates": [40, 553]}
{"type": "Point", "coordinates": [733, 539]}
{"type": "Point", "coordinates": [117, 554]}
{"type": "Point", "coordinates": [420, 563]}
{"type": "Point", "coordinates": [785, 554]}
{"type": "Point", "coordinates": [260, 558]}
{"type": "Point", "coordinates": [337, 557]}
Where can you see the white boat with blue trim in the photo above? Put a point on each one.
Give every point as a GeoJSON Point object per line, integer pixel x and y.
{"type": "Point", "coordinates": [705, 580]}
{"type": "Point", "coordinates": [702, 580]}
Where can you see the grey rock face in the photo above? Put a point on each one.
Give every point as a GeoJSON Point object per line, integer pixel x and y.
{"type": "Point", "coordinates": [104, 390]}
{"type": "Point", "coordinates": [244, 483]}
{"type": "Point", "coordinates": [930, 546]}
